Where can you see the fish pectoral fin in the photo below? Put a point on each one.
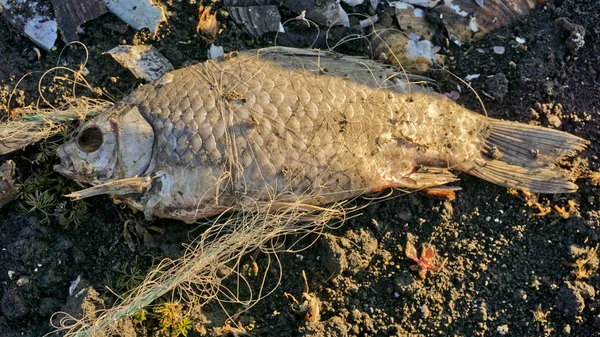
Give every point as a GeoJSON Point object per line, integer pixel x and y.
{"type": "Point", "coordinates": [117, 187]}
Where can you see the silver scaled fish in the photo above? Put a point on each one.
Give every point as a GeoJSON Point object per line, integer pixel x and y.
{"type": "Point", "coordinates": [285, 125]}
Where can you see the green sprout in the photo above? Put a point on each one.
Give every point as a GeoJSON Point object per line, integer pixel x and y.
{"type": "Point", "coordinates": [172, 320]}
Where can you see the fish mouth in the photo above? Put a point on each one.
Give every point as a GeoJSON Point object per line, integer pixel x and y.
{"type": "Point", "coordinates": [64, 168]}
{"type": "Point", "coordinates": [69, 172]}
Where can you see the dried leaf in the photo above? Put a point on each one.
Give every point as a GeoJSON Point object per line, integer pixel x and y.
{"type": "Point", "coordinates": [411, 252]}
{"type": "Point", "coordinates": [428, 253]}
{"type": "Point", "coordinates": [208, 26]}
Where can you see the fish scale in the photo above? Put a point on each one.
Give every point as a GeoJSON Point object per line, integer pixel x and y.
{"type": "Point", "coordinates": [285, 124]}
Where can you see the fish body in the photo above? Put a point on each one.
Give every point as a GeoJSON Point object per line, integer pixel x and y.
{"type": "Point", "coordinates": [290, 125]}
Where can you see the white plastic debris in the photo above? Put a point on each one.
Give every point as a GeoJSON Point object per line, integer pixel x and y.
{"type": "Point", "coordinates": [368, 21]}
{"type": "Point", "coordinates": [11, 274]}
{"type": "Point", "coordinates": [144, 62]}
{"type": "Point", "coordinates": [400, 5]}
{"type": "Point", "coordinates": [215, 51]}
{"type": "Point", "coordinates": [419, 13]}
{"type": "Point", "coordinates": [42, 31]}
{"type": "Point", "coordinates": [345, 20]}
{"type": "Point", "coordinates": [353, 3]}
{"type": "Point", "coordinates": [34, 20]}
{"type": "Point", "coordinates": [520, 40]}
{"type": "Point", "coordinates": [471, 77]}
{"type": "Point", "coordinates": [138, 14]}
{"type": "Point", "coordinates": [479, 2]}
{"type": "Point", "coordinates": [499, 50]}
{"type": "Point", "coordinates": [74, 285]}
{"type": "Point", "coordinates": [418, 48]}
{"type": "Point", "coordinates": [422, 3]}
{"type": "Point", "coordinates": [374, 3]}
{"type": "Point", "coordinates": [456, 8]}
{"type": "Point", "coordinates": [473, 24]}
{"type": "Point", "coordinates": [455, 39]}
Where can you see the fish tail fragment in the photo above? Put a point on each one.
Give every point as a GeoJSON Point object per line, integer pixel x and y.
{"type": "Point", "coordinates": [525, 156]}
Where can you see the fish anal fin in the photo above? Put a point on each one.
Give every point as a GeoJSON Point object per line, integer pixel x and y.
{"type": "Point", "coordinates": [423, 177]}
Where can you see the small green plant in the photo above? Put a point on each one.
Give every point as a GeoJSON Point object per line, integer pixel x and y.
{"type": "Point", "coordinates": [42, 191]}
{"type": "Point", "coordinates": [47, 150]}
{"type": "Point", "coordinates": [140, 316]}
{"type": "Point", "coordinates": [71, 216]}
{"type": "Point", "coordinates": [171, 319]}
{"type": "Point", "coordinates": [128, 277]}
{"type": "Point", "coordinates": [40, 203]}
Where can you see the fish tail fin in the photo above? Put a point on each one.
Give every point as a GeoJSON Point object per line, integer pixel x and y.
{"type": "Point", "coordinates": [524, 156]}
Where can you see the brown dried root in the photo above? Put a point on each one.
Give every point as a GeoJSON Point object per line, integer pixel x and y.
{"type": "Point", "coordinates": [540, 317]}
{"type": "Point", "coordinates": [531, 200]}
{"type": "Point", "coordinates": [231, 331]}
{"type": "Point", "coordinates": [310, 308]}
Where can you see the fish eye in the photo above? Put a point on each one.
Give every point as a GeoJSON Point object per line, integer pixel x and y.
{"type": "Point", "coordinates": [90, 139]}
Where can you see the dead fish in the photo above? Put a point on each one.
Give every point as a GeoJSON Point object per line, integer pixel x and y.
{"type": "Point", "coordinates": [288, 125]}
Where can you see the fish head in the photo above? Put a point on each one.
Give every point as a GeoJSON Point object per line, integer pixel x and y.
{"type": "Point", "coordinates": [114, 145]}
{"type": "Point", "coordinates": [91, 156]}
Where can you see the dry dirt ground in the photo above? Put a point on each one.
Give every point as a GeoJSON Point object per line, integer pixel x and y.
{"type": "Point", "coordinates": [509, 271]}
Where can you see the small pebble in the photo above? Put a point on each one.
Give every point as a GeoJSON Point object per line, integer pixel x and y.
{"type": "Point", "coordinates": [22, 281]}
{"type": "Point", "coordinates": [502, 329]}
{"type": "Point", "coordinates": [425, 311]}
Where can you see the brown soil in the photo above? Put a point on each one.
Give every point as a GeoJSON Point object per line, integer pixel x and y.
{"type": "Point", "coordinates": [508, 271]}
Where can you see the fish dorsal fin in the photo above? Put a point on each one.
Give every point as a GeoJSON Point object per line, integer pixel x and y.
{"type": "Point", "coordinates": [354, 68]}
{"type": "Point", "coordinates": [135, 140]}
